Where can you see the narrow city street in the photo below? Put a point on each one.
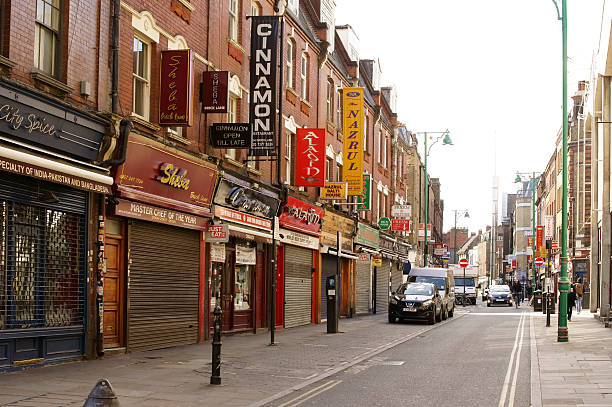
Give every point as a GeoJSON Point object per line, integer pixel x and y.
{"type": "Point", "coordinates": [478, 359]}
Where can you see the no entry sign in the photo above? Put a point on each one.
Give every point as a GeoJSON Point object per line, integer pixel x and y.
{"type": "Point", "coordinates": [539, 262]}
{"type": "Point", "coordinates": [463, 263]}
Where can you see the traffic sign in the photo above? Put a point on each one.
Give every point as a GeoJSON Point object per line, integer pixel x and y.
{"type": "Point", "coordinates": [463, 263]}
{"type": "Point", "coordinates": [539, 262]}
{"type": "Point", "coordinates": [384, 223]}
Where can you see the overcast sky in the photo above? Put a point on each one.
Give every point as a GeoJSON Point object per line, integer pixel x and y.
{"type": "Point", "coordinates": [490, 71]}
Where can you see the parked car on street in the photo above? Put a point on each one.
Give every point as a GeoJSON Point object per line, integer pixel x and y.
{"type": "Point", "coordinates": [416, 301]}
{"type": "Point", "coordinates": [444, 281]}
{"type": "Point", "coordinates": [500, 294]}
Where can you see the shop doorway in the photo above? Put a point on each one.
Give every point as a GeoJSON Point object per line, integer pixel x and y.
{"type": "Point", "coordinates": [114, 286]}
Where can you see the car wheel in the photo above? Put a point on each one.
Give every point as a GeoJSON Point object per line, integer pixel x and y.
{"type": "Point", "coordinates": [451, 312]}
{"type": "Point", "coordinates": [391, 318]}
{"type": "Point", "coordinates": [432, 319]}
{"type": "Point", "coordinates": [488, 305]}
{"type": "Point", "coordinates": [444, 314]}
{"type": "Point", "coordinates": [509, 304]}
{"type": "Point", "coordinates": [474, 301]}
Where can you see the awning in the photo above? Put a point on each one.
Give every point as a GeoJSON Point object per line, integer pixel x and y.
{"type": "Point", "coordinates": [366, 250]}
{"type": "Point", "coordinates": [244, 232]}
{"type": "Point", "coordinates": [35, 166]}
{"type": "Point", "coordinates": [332, 251]}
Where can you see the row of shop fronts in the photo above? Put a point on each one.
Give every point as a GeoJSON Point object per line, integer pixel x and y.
{"type": "Point", "coordinates": [138, 258]}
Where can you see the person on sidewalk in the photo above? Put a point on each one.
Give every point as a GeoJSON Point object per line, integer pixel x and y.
{"type": "Point", "coordinates": [516, 292]}
{"type": "Point", "coordinates": [571, 301]}
{"type": "Point", "coordinates": [579, 291]}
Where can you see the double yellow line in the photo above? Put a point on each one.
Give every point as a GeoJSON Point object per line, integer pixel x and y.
{"type": "Point", "coordinates": [311, 393]}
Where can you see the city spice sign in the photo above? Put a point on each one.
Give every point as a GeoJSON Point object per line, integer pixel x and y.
{"type": "Point", "coordinates": [264, 33]}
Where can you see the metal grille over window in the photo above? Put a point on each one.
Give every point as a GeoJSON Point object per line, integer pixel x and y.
{"type": "Point", "coordinates": [41, 258]}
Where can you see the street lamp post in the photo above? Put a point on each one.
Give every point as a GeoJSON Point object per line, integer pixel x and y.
{"type": "Point", "coordinates": [465, 215]}
{"type": "Point", "coordinates": [446, 140]}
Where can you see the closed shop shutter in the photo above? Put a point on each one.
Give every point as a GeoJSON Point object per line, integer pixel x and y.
{"type": "Point", "coordinates": [382, 287]}
{"type": "Point", "coordinates": [298, 286]}
{"type": "Point", "coordinates": [163, 286]}
{"type": "Point", "coordinates": [396, 276]}
{"type": "Point", "coordinates": [363, 287]}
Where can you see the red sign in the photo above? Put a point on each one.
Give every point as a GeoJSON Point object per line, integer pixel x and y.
{"type": "Point", "coordinates": [175, 87]}
{"type": "Point", "coordinates": [310, 158]}
{"type": "Point", "coordinates": [555, 244]}
{"type": "Point", "coordinates": [156, 214]}
{"type": "Point", "coordinates": [400, 224]}
{"type": "Point", "coordinates": [244, 218]}
{"type": "Point", "coordinates": [463, 263]}
{"type": "Point", "coordinates": [159, 175]}
{"type": "Point", "coordinates": [539, 237]}
{"type": "Point", "coordinates": [301, 216]}
{"type": "Point", "coordinates": [539, 262]}
{"type": "Point", "coordinates": [215, 91]}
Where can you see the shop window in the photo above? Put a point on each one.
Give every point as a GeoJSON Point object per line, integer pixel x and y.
{"type": "Point", "coordinates": [233, 20]}
{"type": "Point", "coordinates": [47, 36]}
{"type": "Point", "coordinates": [242, 281]}
{"type": "Point", "coordinates": [304, 77]}
{"type": "Point", "coordinates": [141, 74]}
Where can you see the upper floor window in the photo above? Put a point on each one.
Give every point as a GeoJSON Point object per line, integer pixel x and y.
{"type": "Point", "coordinates": [140, 77]}
{"type": "Point", "coordinates": [380, 147]}
{"type": "Point", "coordinates": [365, 132]}
{"type": "Point", "coordinates": [233, 20]}
{"type": "Point", "coordinates": [384, 150]}
{"type": "Point", "coordinates": [46, 43]}
{"type": "Point", "coordinates": [255, 8]}
{"type": "Point", "coordinates": [304, 77]}
{"type": "Point", "coordinates": [328, 168]}
{"type": "Point", "coordinates": [288, 156]}
{"type": "Point", "coordinates": [330, 101]}
{"type": "Point", "coordinates": [290, 64]}
{"type": "Point", "coordinates": [339, 108]}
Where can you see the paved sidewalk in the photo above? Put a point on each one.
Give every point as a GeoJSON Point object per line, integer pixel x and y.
{"type": "Point", "coordinates": [252, 372]}
{"type": "Point", "coordinates": [579, 372]}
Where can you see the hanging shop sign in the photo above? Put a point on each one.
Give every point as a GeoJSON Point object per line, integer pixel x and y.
{"type": "Point", "coordinates": [367, 236]}
{"type": "Point", "coordinates": [262, 113]}
{"type": "Point", "coordinates": [401, 211]}
{"type": "Point", "coordinates": [162, 176]}
{"type": "Point", "coordinates": [365, 199]}
{"type": "Point", "coordinates": [292, 237]}
{"type": "Point", "coordinates": [401, 225]}
{"type": "Point", "coordinates": [245, 255]}
{"type": "Point", "coordinates": [310, 158]}
{"type": "Point", "coordinates": [333, 223]}
{"type": "Point", "coordinates": [175, 87]}
{"type": "Point", "coordinates": [230, 135]}
{"type": "Point", "coordinates": [549, 227]}
{"type": "Point", "coordinates": [217, 234]}
{"type": "Point", "coordinates": [377, 260]}
{"type": "Point", "coordinates": [539, 237]}
{"type": "Point", "coordinates": [352, 147]}
{"type": "Point", "coordinates": [150, 213]}
{"type": "Point", "coordinates": [301, 216]}
{"type": "Point", "coordinates": [334, 190]}
{"type": "Point", "coordinates": [438, 249]}
{"type": "Point", "coordinates": [217, 252]}
{"type": "Point", "coordinates": [422, 232]}
{"type": "Point", "coordinates": [240, 198]}
{"type": "Point", "coordinates": [27, 117]}
{"type": "Point", "coordinates": [215, 91]}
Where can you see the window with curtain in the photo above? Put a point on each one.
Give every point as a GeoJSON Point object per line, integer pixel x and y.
{"type": "Point", "coordinates": [141, 78]}
{"type": "Point", "coordinates": [47, 36]}
{"type": "Point", "coordinates": [304, 77]}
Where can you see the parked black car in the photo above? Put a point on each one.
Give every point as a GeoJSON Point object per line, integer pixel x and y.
{"type": "Point", "coordinates": [416, 301]}
{"type": "Point", "coordinates": [499, 294]}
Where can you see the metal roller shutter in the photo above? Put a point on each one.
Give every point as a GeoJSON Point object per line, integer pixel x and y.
{"type": "Point", "coordinates": [363, 287]}
{"type": "Point", "coordinates": [298, 286]}
{"type": "Point", "coordinates": [163, 286]}
{"type": "Point", "coordinates": [382, 287]}
{"type": "Point", "coordinates": [396, 276]}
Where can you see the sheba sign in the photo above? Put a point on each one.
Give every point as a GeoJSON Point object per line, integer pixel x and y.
{"type": "Point", "coordinates": [262, 112]}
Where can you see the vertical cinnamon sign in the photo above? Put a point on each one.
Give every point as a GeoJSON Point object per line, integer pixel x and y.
{"type": "Point", "coordinates": [176, 87]}
{"type": "Point", "coordinates": [310, 158]}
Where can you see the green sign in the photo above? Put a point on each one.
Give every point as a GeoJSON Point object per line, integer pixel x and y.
{"type": "Point", "coordinates": [364, 200]}
{"type": "Point", "coordinates": [367, 236]}
{"type": "Point", "coordinates": [384, 223]}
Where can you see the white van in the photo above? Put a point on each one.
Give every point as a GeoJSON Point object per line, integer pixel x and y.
{"type": "Point", "coordinates": [443, 279]}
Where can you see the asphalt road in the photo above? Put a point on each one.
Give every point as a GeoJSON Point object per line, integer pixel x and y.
{"type": "Point", "coordinates": [471, 360]}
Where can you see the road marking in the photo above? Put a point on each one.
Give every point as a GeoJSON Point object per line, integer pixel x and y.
{"type": "Point", "coordinates": [516, 368]}
{"type": "Point", "coordinates": [536, 391]}
{"type": "Point", "coordinates": [508, 314]}
{"type": "Point", "coordinates": [311, 393]}
{"type": "Point", "coordinates": [502, 397]}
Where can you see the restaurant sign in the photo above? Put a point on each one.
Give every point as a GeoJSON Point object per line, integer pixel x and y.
{"type": "Point", "coordinates": [150, 213]}
{"type": "Point", "coordinates": [217, 233]}
{"type": "Point", "coordinates": [230, 135]}
{"type": "Point", "coordinates": [367, 236]}
{"type": "Point", "coordinates": [241, 198]}
{"type": "Point", "coordinates": [159, 175]}
{"type": "Point", "coordinates": [301, 216]}
{"type": "Point", "coordinates": [365, 199]}
{"type": "Point", "coordinates": [176, 87]}
{"type": "Point", "coordinates": [310, 158]}
{"type": "Point", "coordinates": [215, 91]}
{"type": "Point", "coordinates": [352, 145]}
{"type": "Point", "coordinates": [297, 239]}
{"type": "Point", "coordinates": [334, 190]}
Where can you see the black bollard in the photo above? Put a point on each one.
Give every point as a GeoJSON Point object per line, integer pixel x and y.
{"type": "Point", "coordinates": [102, 395]}
{"type": "Point", "coordinates": [215, 378]}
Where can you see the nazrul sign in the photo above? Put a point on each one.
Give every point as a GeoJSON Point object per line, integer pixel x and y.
{"type": "Point", "coordinates": [352, 147]}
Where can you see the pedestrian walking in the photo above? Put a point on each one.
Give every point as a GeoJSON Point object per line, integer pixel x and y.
{"type": "Point", "coordinates": [571, 301]}
{"type": "Point", "coordinates": [579, 291]}
{"type": "Point", "coordinates": [516, 292]}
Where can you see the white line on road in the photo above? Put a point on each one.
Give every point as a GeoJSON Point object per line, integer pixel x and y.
{"type": "Point", "coordinates": [504, 391]}
{"type": "Point", "coordinates": [315, 392]}
{"type": "Point", "coordinates": [536, 391]}
{"type": "Point", "coordinates": [506, 314]}
{"type": "Point", "coordinates": [518, 363]}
